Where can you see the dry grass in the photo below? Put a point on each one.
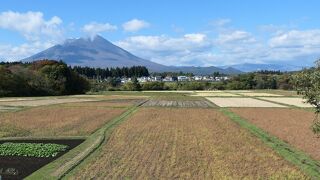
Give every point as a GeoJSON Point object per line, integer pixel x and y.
{"type": "Point", "coordinates": [299, 102]}
{"type": "Point", "coordinates": [56, 120]}
{"type": "Point", "coordinates": [290, 125]}
{"type": "Point", "coordinates": [242, 102]}
{"type": "Point", "coordinates": [206, 94]}
{"type": "Point", "coordinates": [185, 144]}
{"type": "Point", "coordinates": [14, 99]}
{"type": "Point", "coordinates": [253, 94]}
{"type": "Point", "coordinates": [106, 103]}
{"type": "Point", "coordinates": [42, 102]}
{"type": "Point", "coordinates": [170, 91]}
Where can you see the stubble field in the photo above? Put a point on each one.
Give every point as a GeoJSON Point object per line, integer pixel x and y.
{"type": "Point", "coordinates": [72, 119]}
{"type": "Point", "coordinates": [185, 143]}
{"type": "Point", "coordinates": [290, 125]}
{"type": "Point", "coordinates": [241, 102]}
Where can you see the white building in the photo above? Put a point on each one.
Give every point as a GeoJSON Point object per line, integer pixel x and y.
{"type": "Point", "coordinates": [183, 78]}
{"type": "Point", "coordinates": [197, 78]}
{"type": "Point", "coordinates": [168, 79]}
{"type": "Point", "coordinates": [142, 79]}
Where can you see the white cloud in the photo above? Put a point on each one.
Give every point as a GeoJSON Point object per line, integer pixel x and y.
{"type": "Point", "coordinates": [135, 25]}
{"type": "Point", "coordinates": [235, 37]}
{"type": "Point", "coordinates": [168, 50]}
{"type": "Point", "coordinates": [32, 25]}
{"type": "Point", "coordinates": [296, 39]}
{"type": "Point", "coordinates": [220, 22]}
{"type": "Point", "coordinates": [14, 53]}
{"type": "Point", "coordinates": [295, 44]}
{"type": "Point", "coordinates": [94, 28]}
{"type": "Point", "coordinates": [38, 32]}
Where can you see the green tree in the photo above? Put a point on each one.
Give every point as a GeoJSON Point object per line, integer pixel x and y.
{"type": "Point", "coordinates": [307, 83]}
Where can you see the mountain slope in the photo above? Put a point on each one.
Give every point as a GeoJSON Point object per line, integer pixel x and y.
{"type": "Point", "coordinates": [98, 52]}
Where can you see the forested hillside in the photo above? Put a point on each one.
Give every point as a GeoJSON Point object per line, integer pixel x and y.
{"type": "Point", "coordinates": [44, 77]}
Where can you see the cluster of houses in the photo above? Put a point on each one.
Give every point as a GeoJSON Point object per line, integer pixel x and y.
{"type": "Point", "coordinates": [178, 78]}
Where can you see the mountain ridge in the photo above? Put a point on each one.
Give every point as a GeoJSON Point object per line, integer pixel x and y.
{"type": "Point", "coordinates": [99, 52]}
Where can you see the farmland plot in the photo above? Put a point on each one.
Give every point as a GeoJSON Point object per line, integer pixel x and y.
{"type": "Point", "coordinates": [7, 108]}
{"type": "Point", "coordinates": [181, 103]}
{"type": "Point", "coordinates": [242, 102]}
{"type": "Point", "coordinates": [290, 125]}
{"type": "Point", "coordinates": [42, 102]}
{"type": "Point", "coordinates": [298, 102]}
{"type": "Point", "coordinates": [168, 143]}
{"type": "Point", "coordinates": [253, 94]}
{"type": "Point", "coordinates": [107, 103]}
{"type": "Point", "coordinates": [214, 94]}
{"type": "Point", "coordinates": [56, 120]}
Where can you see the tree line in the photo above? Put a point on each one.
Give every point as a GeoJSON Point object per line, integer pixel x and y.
{"type": "Point", "coordinates": [40, 78]}
{"type": "Point", "coordinates": [104, 73]}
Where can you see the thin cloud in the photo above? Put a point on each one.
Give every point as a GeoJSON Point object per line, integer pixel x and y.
{"type": "Point", "coordinates": [135, 25]}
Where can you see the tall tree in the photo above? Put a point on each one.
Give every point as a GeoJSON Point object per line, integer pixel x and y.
{"type": "Point", "coordinates": [307, 83]}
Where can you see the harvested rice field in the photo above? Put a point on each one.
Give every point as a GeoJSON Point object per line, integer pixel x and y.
{"type": "Point", "coordinates": [171, 91]}
{"type": "Point", "coordinates": [107, 103]}
{"type": "Point", "coordinates": [181, 103]}
{"type": "Point", "coordinates": [42, 102]}
{"type": "Point", "coordinates": [214, 94]}
{"type": "Point", "coordinates": [171, 143]}
{"type": "Point", "coordinates": [298, 102]}
{"type": "Point", "coordinates": [8, 108]}
{"type": "Point", "coordinates": [57, 120]}
{"type": "Point", "coordinates": [238, 91]}
{"type": "Point", "coordinates": [290, 125]}
{"type": "Point", "coordinates": [253, 94]}
{"type": "Point", "coordinates": [212, 91]}
{"type": "Point", "coordinates": [13, 99]}
{"type": "Point", "coordinates": [241, 102]}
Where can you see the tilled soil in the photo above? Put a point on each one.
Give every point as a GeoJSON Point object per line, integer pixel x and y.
{"type": "Point", "coordinates": [180, 103]}
{"type": "Point", "coordinates": [290, 125]}
{"type": "Point", "coordinates": [19, 167]}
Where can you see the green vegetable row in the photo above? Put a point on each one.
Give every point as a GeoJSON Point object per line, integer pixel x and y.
{"type": "Point", "coordinates": [31, 149]}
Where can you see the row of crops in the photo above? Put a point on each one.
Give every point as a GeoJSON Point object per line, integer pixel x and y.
{"type": "Point", "coordinates": [31, 149]}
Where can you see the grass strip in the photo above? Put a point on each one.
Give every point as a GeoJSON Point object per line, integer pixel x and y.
{"type": "Point", "coordinates": [60, 167]}
{"type": "Point", "coordinates": [310, 166]}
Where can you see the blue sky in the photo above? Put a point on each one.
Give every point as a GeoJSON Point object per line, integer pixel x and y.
{"type": "Point", "coordinates": [200, 33]}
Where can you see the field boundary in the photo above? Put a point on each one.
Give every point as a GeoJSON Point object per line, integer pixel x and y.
{"type": "Point", "coordinates": [60, 167]}
{"type": "Point", "coordinates": [308, 165]}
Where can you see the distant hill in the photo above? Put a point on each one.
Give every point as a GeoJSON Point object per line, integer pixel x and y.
{"type": "Point", "coordinates": [247, 67]}
{"type": "Point", "coordinates": [204, 70]}
{"type": "Point", "coordinates": [99, 52]}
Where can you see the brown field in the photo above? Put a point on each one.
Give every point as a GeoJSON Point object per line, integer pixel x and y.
{"type": "Point", "coordinates": [107, 103]}
{"type": "Point", "coordinates": [290, 125]}
{"type": "Point", "coordinates": [42, 102]}
{"type": "Point", "coordinates": [181, 103]}
{"type": "Point", "coordinates": [56, 120]}
{"type": "Point", "coordinates": [170, 143]}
